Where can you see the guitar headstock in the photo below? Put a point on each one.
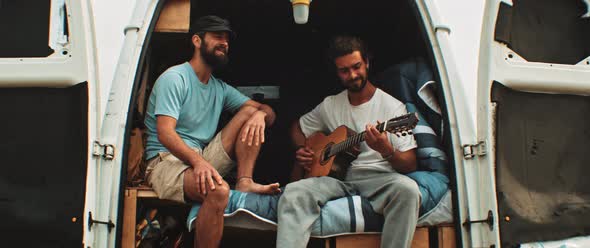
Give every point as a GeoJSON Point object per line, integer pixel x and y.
{"type": "Point", "coordinates": [401, 125]}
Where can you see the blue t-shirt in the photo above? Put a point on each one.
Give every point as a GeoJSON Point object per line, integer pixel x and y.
{"type": "Point", "coordinates": [196, 106]}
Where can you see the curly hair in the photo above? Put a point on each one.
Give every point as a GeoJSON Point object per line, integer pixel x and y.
{"type": "Point", "coordinates": [344, 45]}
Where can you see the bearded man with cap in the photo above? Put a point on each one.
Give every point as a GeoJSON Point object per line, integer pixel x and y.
{"type": "Point", "coordinates": [185, 158]}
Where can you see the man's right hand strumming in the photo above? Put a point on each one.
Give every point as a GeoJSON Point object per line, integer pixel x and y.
{"type": "Point", "coordinates": [304, 157]}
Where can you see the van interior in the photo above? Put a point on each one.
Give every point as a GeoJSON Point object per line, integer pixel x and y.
{"type": "Point", "coordinates": [542, 139]}
{"type": "Point", "coordinates": [271, 50]}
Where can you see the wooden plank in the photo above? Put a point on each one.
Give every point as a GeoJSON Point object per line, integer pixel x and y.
{"type": "Point", "coordinates": [446, 237]}
{"type": "Point", "coordinates": [358, 240]}
{"type": "Point", "coordinates": [374, 240]}
{"type": "Point", "coordinates": [129, 216]}
{"type": "Point", "coordinates": [421, 238]}
{"type": "Point", "coordinates": [146, 193]}
{"type": "Point", "coordinates": [175, 17]}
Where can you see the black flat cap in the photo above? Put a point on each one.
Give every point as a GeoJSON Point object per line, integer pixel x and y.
{"type": "Point", "coordinates": [211, 23]}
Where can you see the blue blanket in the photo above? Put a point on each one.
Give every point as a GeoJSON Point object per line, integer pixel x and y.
{"type": "Point", "coordinates": [412, 83]}
{"type": "Point", "coordinates": [351, 214]}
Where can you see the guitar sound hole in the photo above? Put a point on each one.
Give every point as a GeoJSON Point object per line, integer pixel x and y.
{"type": "Point", "coordinates": [326, 154]}
{"type": "Point", "coordinates": [325, 157]}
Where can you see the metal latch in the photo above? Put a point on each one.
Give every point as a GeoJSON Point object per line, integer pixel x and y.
{"type": "Point", "coordinates": [91, 222]}
{"type": "Point", "coordinates": [489, 220]}
{"type": "Point", "coordinates": [442, 27]}
{"type": "Point", "coordinates": [106, 151]}
{"type": "Point", "coordinates": [472, 150]}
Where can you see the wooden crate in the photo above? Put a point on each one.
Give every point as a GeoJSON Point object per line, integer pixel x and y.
{"type": "Point", "coordinates": [175, 17]}
{"type": "Point", "coordinates": [445, 235]}
{"type": "Point", "coordinates": [130, 213]}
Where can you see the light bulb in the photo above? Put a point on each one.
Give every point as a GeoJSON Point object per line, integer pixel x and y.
{"type": "Point", "coordinates": [300, 10]}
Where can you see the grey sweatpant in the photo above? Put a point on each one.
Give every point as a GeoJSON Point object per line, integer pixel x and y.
{"type": "Point", "coordinates": [392, 194]}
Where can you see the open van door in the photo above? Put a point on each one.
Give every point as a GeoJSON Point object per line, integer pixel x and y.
{"type": "Point", "coordinates": [116, 127]}
{"type": "Point", "coordinates": [49, 95]}
{"type": "Point", "coordinates": [474, 199]}
{"type": "Point", "coordinates": [532, 112]}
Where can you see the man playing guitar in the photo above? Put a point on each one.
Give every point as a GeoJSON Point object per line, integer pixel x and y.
{"type": "Point", "coordinates": [377, 172]}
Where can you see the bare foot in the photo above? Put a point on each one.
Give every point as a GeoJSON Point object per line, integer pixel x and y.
{"type": "Point", "coordinates": [248, 185]}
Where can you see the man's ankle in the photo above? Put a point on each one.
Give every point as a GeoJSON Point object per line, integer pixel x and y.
{"type": "Point", "coordinates": [244, 179]}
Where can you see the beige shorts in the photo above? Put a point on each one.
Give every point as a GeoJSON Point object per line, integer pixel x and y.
{"type": "Point", "coordinates": [165, 173]}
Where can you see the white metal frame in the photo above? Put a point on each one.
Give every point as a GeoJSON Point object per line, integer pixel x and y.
{"type": "Point", "coordinates": [474, 202]}
{"type": "Point", "coordinates": [499, 63]}
{"type": "Point", "coordinates": [108, 172]}
{"type": "Point", "coordinates": [73, 61]}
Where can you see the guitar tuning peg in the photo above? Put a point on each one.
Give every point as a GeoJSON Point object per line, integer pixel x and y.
{"type": "Point", "coordinates": [404, 134]}
{"type": "Point", "coordinates": [410, 133]}
{"type": "Point", "coordinates": [397, 134]}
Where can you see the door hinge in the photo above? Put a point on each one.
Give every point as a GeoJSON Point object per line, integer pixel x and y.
{"type": "Point", "coordinates": [490, 221]}
{"type": "Point", "coordinates": [472, 150]}
{"type": "Point", "coordinates": [106, 151]}
{"type": "Point", "coordinates": [91, 222]}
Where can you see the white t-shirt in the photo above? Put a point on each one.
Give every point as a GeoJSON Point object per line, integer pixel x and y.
{"type": "Point", "coordinates": [336, 111]}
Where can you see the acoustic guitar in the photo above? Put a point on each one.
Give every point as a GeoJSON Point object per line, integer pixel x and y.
{"type": "Point", "coordinates": [342, 142]}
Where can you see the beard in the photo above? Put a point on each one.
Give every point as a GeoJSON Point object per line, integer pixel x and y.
{"type": "Point", "coordinates": [351, 86]}
{"type": "Point", "coordinates": [213, 60]}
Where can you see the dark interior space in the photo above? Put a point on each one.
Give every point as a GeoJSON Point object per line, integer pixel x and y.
{"type": "Point", "coordinates": [271, 50]}
{"type": "Point", "coordinates": [542, 165]}
{"type": "Point", "coordinates": [25, 30]}
{"type": "Point", "coordinates": [44, 158]}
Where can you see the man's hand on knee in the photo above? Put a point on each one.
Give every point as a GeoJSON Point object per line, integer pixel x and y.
{"type": "Point", "coordinates": [253, 129]}
{"type": "Point", "coordinates": [206, 174]}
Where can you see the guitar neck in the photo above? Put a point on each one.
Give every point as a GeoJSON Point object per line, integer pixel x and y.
{"type": "Point", "coordinates": [352, 141]}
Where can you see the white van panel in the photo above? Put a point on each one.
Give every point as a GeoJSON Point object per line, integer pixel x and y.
{"type": "Point", "coordinates": [515, 72]}
{"type": "Point", "coordinates": [473, 204]}
{"type": "Point", "coordinates": [60, 92]}
{"type": "Point", "coordinates": [519, 78]}
{"type": "Point", "coordinates": [115, 121]}
{"type": "Point", "coordinates": [72, 62]}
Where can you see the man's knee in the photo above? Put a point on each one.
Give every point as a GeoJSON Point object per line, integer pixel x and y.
{"type": "Point", "coordinates": [246, 111]}
{"type": "Point", "coordinates": [220, 195]}
{"type": "Point", "coordinates": [296, 192]}
{"type": "Point", "coordinates": [241, 117]}
{"type": "Point", "coordinates": [408, 188]}
{"type": "Point", "coordinates": [303, 185]}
